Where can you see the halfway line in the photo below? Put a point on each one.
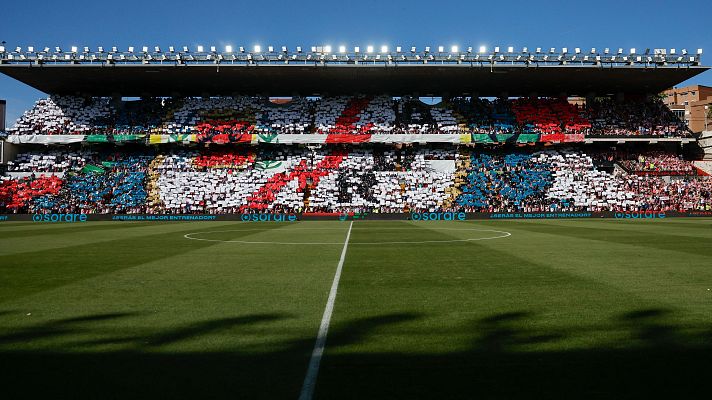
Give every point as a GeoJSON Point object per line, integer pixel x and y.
{"type": "Point", "coordinates": [313, 370]}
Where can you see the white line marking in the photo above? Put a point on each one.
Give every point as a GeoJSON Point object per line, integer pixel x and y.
{"type": "Point", "coordinates": [502, 234]}
{"type": "Point", "coordinates": [313, 370]}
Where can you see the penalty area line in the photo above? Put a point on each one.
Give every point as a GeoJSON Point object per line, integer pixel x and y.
{"type": "Point", "coordinates": [313, 370]}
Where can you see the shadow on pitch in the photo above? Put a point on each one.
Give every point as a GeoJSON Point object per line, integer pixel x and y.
{"type": "Point", "coordinates": [510, 357]}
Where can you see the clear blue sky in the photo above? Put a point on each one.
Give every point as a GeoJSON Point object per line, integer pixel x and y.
{"type": "Point", "coordinates": [548, 23]}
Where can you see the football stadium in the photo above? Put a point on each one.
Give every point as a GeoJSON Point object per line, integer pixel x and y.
{"type": "Point", "coordinates": [356, 222]}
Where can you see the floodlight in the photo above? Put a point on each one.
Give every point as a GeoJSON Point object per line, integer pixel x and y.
{"type": "Point", "coordinates": [441, 49]}
{"type": "Point", "coordinates": [299, 49]}
{"type": "Point", "coordinates": [228, 49]}
{"type": "Point", "coordinates": [185, 49]}
{"type": "Point", "coordinates": [114, 49]}
{"type": "Point", "coordinates": [156, 49]}
{"type": "Point", "coordinates": [144, 49]}
{"type": "Point", "coordinates": [593, 50]}
{"type": "Point", "coordinates": [369, 49]}
{"type": "Point", "coordinates": [413, 49]}
{"type": "Point", "coordinates": [577, 50]}
{"type": "Point", "coordinates": [510, 49]}
{"type": "Point", "coordinates": [200, 49]}
{"type": "Point", "coordinates": [242, 49]}
{"type": "Point", "coordinates": [454, 49]}
{"type": "Point", "coordinates": [57, 49]}
{"type": "Point", "coordinates": [171, 49]}
{"type": "Point", "coordinates": [213, 49]}
{"type": "Point", "coordinates": [18, 49]}
{"type": "Point", "coordinates": [342, 49]}
{"type": "Point", "coordinates": [258, 48]}
{"type": "Point", "coordinates": [357, 49]}
{"type": "Point", "coordinates": [469, 49]}
{"type": "Point", "coordinates": [552, 50]}
{"type": "Point", "coordinates": [384, 49]}
{"type": "Point", "coordinates": [496, 50]}
{"type": "Point", "coordinates": [398, 49]}
{"type": "Point", "coordinates": [564, 50]}
{"type": "Point", "coordinates": [313, 49]}
{"type": "Point", "coordinates": [270, 49]}
{"type": "Point", "coordinates": [45, 50]}
{"type": "Point", "coordinates": [30, 49]}
{"type": "Point", "coordinates": [327, 49]}
{"type": "Point", "coordinates": [673, 51]}
{"type": "Point", "coordinates": [427, 49]}
{"type": "Point", "coordinates": [74, 49]}
{"type": "Point", "coordinates": [2, 49]}
{"type": "Point", "coordinates": [284, 49]}
{"type": "Point", "coordinates": [699, 51]}
{"type": "Point", "coordinates": [538, 50]}
{"type": "Point", "coordinates": [607, 50]}
{"type": "Point", "coordinates": [525, 50]}
{"type": "Point", "coordinates": [684, 52]}
{"type": "Point", "coordinates": [620, 50]}
{"type": "Point", "coordinates": [483, 49]}
{"type": "Point", "coordinates": [86, 49]}
{"type": "Point", "coordinates": [632, 50]}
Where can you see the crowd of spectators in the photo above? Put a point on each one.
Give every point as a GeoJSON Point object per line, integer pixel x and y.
{"type": "Point", "coordinates": [349, 115]}
{"type": "Point", "coordinates": [278, 178]}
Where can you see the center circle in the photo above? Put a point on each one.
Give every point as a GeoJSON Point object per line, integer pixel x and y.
{"type": "Point", "coordinates": [494, 234]}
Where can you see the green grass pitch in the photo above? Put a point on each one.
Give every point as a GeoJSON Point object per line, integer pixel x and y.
{"type": "Point", "coordinates": [563, 309]}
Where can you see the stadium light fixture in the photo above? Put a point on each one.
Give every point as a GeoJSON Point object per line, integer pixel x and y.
{"type": "Point", "coordinates": [131, 49]}
{"type": "Point", "coordinates": [427, 49]}
{"type": "Point", "coordinates": [156, 49]}
{"type": "Point", "coordinates": [100, 50]}
{"type": "Point", "coordinates": [270, 49]}
{"type": "Point", "coordinates": [483, 49]}
{"type": "Point", "coordinates": [673, 51]}
{"type": "Point", "coordinates": [213, 49]}
{"type": "Point", "coordinates": [30, 49]}
{"type": "Point", "coordinates": [327, 49]}
{"type": "Point", "coordinates": [258, 48]}
{"type": "Point", "coordinates": [525, 50]}
{"type": "Point", "coordinates": [538, 50]}
{"type": "Point", "coordinates": [441, 49]}
{"type": "Point", "coordinates": [552, 50]}
{"type": "Point", "coordinates": [632, 50]}
{"type": "Point", "coordinates": [577, 50]}
{"type": "Point", "coordinates": [357, 49]}
{"type": "Point", "coordinates": [228, 49]}
{"type": "Point", "coordinates": [185, 49]}
{"type": "Point", "coordinates": [2, 49]}
{"type": "Point", "coordinates": [510, 49]}
{"type": "Point", "coordinates": [564, 50]}
{"type": "Point", "coordinates": [496, 50]}
{"type": "Point", "coordinates": [284, 49]}
{"type": "Point", "coordinates": [86, 49]}
{"type": "Point", "coordinates": [342, 49]}
{"type": "Point", "coordinates": [144, 49]}
{"type": "Point", "coordinates": [299, 49]}
{"type": "Point", "coordinates": [398, 49]}
{"type": "Point", "coordinates": [369, 49]}
{"type": "Point", "coordinates": [684, 52]}
{"type": "Point", "coordinates": [593, 50]}
{"type": "Point", "coordinates": [242, 49]}
{"type": "Point", "coordinates": [200, 49]}
{"type": "Point", "coordinates": [469, 49]}
{"type": "Point", "coordinates": [620, 50]}
{"type": "Point", "coordinates": [57, 49]}
{"type": "Point", "coordinates": [45, 50]}
{"type": "Point", "coordinates": [74, 49]}
{"type": "Point", "coordinates": [413, 49]}
{"type": "Point", "coordinates": [313, 49]}
{"type": "Point", "coordinates": [699, 51]}
{"type": "Point", "coordinates": [171, 49]}
{"type": "Point", "coordinates": [606, 51]}
{"type": "Point", "coordinates": [454, 49]}
{"type": "Point", "coordinates": [384, 49]}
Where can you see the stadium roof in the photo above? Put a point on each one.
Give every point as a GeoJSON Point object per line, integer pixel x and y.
{"type": "Point", "coordinates": [482, 79]}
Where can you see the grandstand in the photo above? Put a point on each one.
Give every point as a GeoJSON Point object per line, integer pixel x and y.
{"type": "Point", "coordinates": [512, 239]}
